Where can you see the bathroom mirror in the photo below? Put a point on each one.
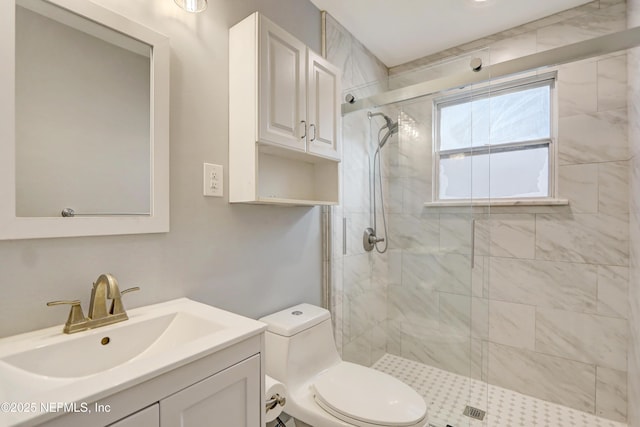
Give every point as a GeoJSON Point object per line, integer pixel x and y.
{"type": "Point", "coordinates": [84, 123]}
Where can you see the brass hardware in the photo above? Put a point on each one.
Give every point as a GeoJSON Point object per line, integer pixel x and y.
{"type": "Point", "coordinates": [76, 319]}
{"type": "Point", "coordinates": [116, 303]}
{"type": "Point", "coordinates": [105, 287]}
{"type": "Point", "coordinates": [105, 340]}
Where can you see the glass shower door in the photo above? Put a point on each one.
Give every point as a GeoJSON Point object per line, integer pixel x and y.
{"type": "Point", "coordinates": [413, 306]}
{"type": "Point", "coordinates": [430, 298]}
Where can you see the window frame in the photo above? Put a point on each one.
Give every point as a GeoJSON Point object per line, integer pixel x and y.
{"type": "Point", "coordinates": [547, 79]}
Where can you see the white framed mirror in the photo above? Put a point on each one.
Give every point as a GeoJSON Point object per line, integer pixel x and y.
{"type": "Point", "coordinates": [84, 122]}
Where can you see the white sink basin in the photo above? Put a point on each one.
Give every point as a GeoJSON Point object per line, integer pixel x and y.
{"type": "Point", "coordinates": [104, 349]}
{"type": "Point", "coordinates": [47, 365]}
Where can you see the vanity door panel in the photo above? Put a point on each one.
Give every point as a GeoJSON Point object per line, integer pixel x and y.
{"type": "Point", "coordinates": [228, 398]}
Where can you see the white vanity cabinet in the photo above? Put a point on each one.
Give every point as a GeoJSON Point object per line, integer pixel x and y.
{"type": "Point", "coordinates": [148, 417]}
{"type": "Point", "coordinates": [284, 118]}
{"type": "Point", "coordinates": [229, 398]}
{"type": "Point", "coordinates": [222, 389]}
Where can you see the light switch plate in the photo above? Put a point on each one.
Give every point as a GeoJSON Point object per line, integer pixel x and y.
{"type": "Point", "coordinates": [212, 183]}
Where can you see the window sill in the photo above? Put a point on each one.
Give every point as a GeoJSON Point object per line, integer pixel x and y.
{"type": "Point", "coordinates": [509, 202]}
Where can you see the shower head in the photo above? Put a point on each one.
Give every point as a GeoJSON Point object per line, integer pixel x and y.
{"type": "Point", "coordinates": [393, 129]}
{"type": "Point", "coordinates": [390, 125]}
{"type": "Point", "coordinates": [386, 118]}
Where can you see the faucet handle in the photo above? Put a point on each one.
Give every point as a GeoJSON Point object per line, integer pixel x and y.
{"type": "Point", "coordinates": [116, 303]}
{"type": "Point", "coordinates": [63, 302]}
{"type": "Point", "coordinates": [76, 316]}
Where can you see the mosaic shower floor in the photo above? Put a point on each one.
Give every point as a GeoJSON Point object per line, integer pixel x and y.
{"type": "Point", "coordinates": [447, 394]}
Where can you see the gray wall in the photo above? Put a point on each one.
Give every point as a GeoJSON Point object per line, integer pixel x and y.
{"type": "Point", "coordinates": [249, 259]}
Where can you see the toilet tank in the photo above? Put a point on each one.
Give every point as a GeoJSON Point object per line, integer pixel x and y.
{"type": "Point", "coordinates": [299, 344]}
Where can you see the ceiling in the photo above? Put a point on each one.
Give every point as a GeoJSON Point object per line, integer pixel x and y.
{"type": "Point", "coordinates": [399, 31]}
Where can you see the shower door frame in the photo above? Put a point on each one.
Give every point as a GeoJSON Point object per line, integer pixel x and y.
{"type": "Point", "coordinates": [597, 46]}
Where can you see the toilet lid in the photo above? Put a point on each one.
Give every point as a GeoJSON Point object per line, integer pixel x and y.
{"type": "Point", "coordinates": [353, 392]}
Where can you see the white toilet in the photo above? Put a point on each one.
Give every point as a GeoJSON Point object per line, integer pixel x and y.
{"type": "Point", "coordinates": [323, 390]}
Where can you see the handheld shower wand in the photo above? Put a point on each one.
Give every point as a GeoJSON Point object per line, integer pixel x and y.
{"type": "Point", "coordinates": [370, 238]}
{"type": "Point", "coordinates": [387, 119]}
{"type": "Point", "coordinates": [390, 125]}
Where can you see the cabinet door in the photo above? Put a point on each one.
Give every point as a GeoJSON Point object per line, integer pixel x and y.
{"type": "Point", "coordinates": [282, 106]}
{"type": "Point", "coordinates": [324, 107]}
{"type": "Point", "coordinates": [148, 417]}
{"type": "Point", "coordinates": [229, 398]}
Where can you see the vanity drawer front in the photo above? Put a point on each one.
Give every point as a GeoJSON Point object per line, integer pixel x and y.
{"type": "Point", "coordinates": [228, 398]}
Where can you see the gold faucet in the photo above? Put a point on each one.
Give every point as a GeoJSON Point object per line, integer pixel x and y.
{"type": "Point", "coordinates": [104, 288]}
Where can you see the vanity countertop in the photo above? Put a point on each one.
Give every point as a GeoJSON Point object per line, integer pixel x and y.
{"type": "Point", "coordinates": [44, 369]}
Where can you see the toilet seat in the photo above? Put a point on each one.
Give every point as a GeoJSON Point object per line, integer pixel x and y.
{"type": "Point", "coordinates": [365, 397]}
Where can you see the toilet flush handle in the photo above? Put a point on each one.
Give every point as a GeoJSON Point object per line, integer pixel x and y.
{"type": "Point", "coordinates": [275, 400]}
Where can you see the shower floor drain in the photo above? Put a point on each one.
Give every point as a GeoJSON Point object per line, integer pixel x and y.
{"type": "Point", "coordinates": [475, 413]}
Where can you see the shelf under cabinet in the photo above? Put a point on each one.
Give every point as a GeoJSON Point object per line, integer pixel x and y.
{"type": "Point", "coordinates": [288, 178]}
{"type": "Point", "coordinates": [294, 202]}
{"type": "Point", "coordinates": [284, 177]}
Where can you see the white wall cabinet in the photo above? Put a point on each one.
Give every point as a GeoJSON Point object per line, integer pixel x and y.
{"type": "Point", "coordinates": [284, 118]}
{"type": "Point", "coordinates": [282, 111]}
{"type": "Point", "coordinates": [323, 112]}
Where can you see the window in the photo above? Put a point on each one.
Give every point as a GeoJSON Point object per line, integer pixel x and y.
{"type": "Point", "coordinates": [496, 143]}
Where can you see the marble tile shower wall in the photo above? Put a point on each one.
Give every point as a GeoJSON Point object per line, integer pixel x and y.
{"type": "Point", "coordinates": [633, 66]}
{"type": "Point", "coordinates": [545, 304]}
{"type": "Point", "coordinates": [358, 278]}
{"type": "Point", "coordinates": [544, 309]}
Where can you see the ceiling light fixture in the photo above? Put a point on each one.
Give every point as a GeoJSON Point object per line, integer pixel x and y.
{"type": "Point", "coordinates": [192, 6]}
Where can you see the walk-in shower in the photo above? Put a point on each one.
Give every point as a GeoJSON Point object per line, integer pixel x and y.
{"type": "Point", "coordinates": [520, 307]}
{"type": "Point", "coordinates": [370, 238]}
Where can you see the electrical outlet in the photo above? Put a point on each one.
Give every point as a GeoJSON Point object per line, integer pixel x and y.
{"type": "Point", "coordinates": [212, 183]}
